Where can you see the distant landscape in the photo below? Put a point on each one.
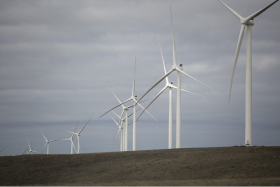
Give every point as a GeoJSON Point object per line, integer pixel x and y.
{"type": "Point", "coordinates": [187, 166]}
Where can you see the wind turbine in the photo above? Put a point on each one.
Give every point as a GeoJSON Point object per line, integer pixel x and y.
{"type": "Point", "coordinates": [125, 122]}
{"type": "Point", "coordinates": [179, 70]}
{"type": "Point", "coordinates": [79, 133]}
{"type": "Point", "coordinates": [170, 86]}
{"type": "Point", "coordinates": [119, 129]}
{"type": "Point", "coordinates": [47, 143]}
{"type": "Point", "coordinates": [30, 149]}
{"type": "Point", "coordinates": [133, 97]}
{"type": "Point", "coordinates": [71, 140]}
{"type": "Point", "coordinates": [249, 22]}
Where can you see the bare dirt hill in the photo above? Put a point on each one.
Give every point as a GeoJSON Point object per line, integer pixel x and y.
{"type": "Point", "coordinates": [191, 166]}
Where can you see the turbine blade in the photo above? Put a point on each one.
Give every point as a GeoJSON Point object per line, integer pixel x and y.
{"type": "Point", "coordinates": [44, 136]}
{"type": "Point", "coordinates": [73, 146]}
{"type": "Point", "coordinates": [260, 11]}
{"type": "Point", "coordinates": [69, 132]}
{"type": "Point", "coordinates": [76, 127]}
{"type": "Point", "coordinates": [29, 145]}
{"type": "Point", "coordinates": [116, 138]}
{"type": "Point", "coordinates": [194, 78]}
{"type": "Point", "coordinates": [236, 57]}
{"type": "Point", "coordinates": [116, 132]}
{"type": "Point", "coordinates": [132, 112]}
{"type": "Point", "coordinates": [24, 151]}
{"type": "Point", "coordinates": [166, 78]}
{"type": "Point", "coordinates": [187, 91]}
{"type": "Point", "coordinates": [235, 13]}
{"type": "Point", "coordinates": [136, 103]}
{"type": "Point", "coordinates": [44, 147]}
{"type": "Point", "coordinates": [145, 109]}
{"type": "Point", "coordinates": [54, 140]}
{"type": "Point", "coordinates": [170, 71]}
{"type": "Point", "coordinates": [133, 87]}
{"type": "Point", "coordinates": [174, 47]}
{"type": "Point", "coordinates": [85, 125]}
{"type": "Point", "coordinates": [148, 112]}
{"type": "Point", "coordinates": [192, 93]}
{"type": "Point", "coordinates": [121, 118]}
{"type": "Point", "coordinates": [116, 114]}
{"type": "Point", "coordinates": [116, 106]}
{"type": "Point", "coordinates": [2, 149]}
{"type": "Point", "coordinates": [115, 96]}
{"type": "Point", "coordinates": [114, 120]}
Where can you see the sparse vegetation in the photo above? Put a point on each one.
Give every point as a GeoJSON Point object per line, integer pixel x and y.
{"type": "Point", "coordinates": [195, 166]}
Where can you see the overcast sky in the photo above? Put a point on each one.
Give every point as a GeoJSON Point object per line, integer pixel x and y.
{"type": "Point", "coordinates": [57, 59]}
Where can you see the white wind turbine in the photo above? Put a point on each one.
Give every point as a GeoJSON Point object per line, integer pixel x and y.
{"type": "Point", "coordinates": [119, 130]}
{"type": "Point", "coordinates": [179, 70]}
{"type": "Point", "coordinates": [47, 143]}
{"type": "Point", "coordinates": [170, 86]}
{"type": "Point", "coordinates": [133, 97]}
{"type": "Point", "coordinates": [71, 140]}
{"type": "Point", "coordinates": [78, 134]}
{"type": "Point", "coordinates": [125, 120]}
{"type": "Point", "coordinates": [249, 22]}
{"type": "Point", "coordinates": [30, 149]}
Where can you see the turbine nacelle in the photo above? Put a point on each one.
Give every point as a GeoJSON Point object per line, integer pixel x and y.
{"type": "Point", "coordinates": [247, 22]}
{"type": "Point", "coordinates": [181, 66]}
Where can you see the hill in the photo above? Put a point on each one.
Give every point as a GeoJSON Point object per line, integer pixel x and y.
{"type": "Point", "coordinates": [188, 166]}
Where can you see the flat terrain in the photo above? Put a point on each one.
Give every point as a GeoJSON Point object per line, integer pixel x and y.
{"type": "Point", "coordinates": [192, 166]}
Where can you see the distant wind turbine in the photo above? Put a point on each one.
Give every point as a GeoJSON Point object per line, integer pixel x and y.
{"type": "Point", "coordinates": [79, 133]}
{"type": "Point", "coordinates": [125, 110]}
{"type": "Point", "coordinates": [71, 140]}
{"type": "Point", "coordinates": [47, 143]}
{"type": "Point", "coordinates": [249, 22]}
{"type": "Point", "coordinates": [30, 149]}
{"type": "Point", "coordinates": [133, 98]}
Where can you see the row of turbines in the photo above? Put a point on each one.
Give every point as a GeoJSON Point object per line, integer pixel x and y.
{"type": "Point", "coordinates": [30, 150]}
{"type": "Point", "coordinates": [122, 122]}
{"type": "Point", "coordinates": [245, 22]}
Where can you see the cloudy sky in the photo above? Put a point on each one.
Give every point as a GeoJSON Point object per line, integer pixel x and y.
{"type": "Point", "coordinates": [57, 59]}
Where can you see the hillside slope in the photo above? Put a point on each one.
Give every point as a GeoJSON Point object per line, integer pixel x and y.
{"type": "Point", "coordinates": [191, 166]}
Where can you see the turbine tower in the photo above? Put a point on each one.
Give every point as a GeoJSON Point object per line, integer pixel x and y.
{"type": "Point", "coordinates": [246, 22]}
{"type": "Point", "coordinates": [179, 70]}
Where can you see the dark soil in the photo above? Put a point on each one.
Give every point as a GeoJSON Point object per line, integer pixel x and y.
{"type": "Point", "coordinates": [196, 166]}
